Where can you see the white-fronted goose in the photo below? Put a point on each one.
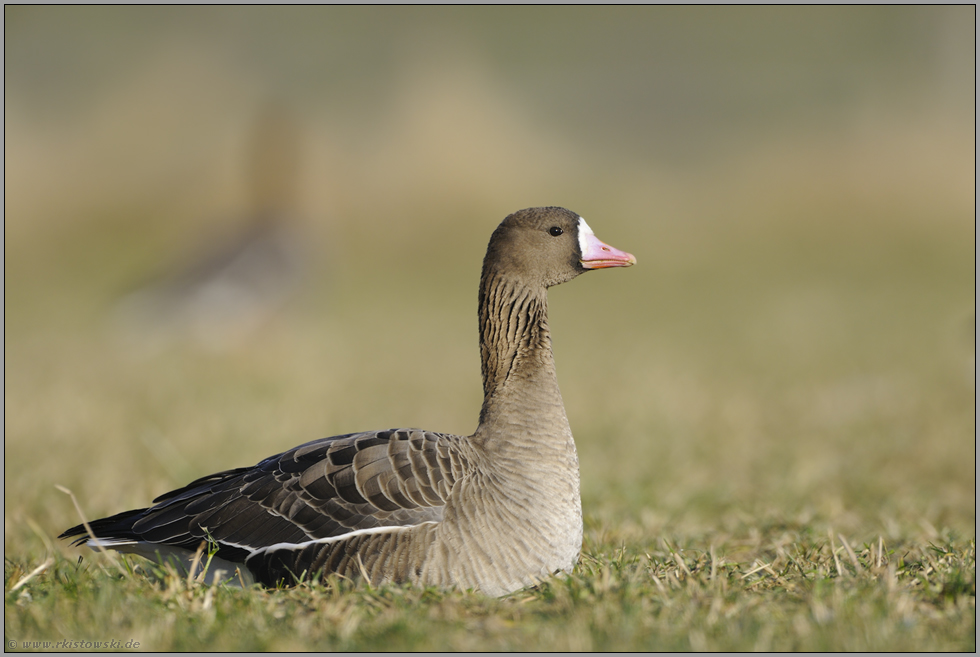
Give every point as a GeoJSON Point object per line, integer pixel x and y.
{"type": "Point", "coordinates": [496, 511]}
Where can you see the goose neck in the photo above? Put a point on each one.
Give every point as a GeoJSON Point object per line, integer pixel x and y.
{"type": "Point", "coordinates": [515, 349]}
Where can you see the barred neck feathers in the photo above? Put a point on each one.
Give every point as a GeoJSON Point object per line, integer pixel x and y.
{"type": "Point", "coordinates": [515, 342]}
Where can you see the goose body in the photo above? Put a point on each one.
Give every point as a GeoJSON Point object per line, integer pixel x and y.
{"type": "Point", "coordinates": [495, 511]}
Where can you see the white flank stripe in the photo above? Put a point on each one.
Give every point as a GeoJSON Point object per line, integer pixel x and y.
{"type": "Point", "coordinates": [109, 542]}
{"type": "Point", "coordinates": [335, 539]}
{"type": "Point", "coordinates": [115, 543]}
{"type": "Point", "coordinates": [247, 548]}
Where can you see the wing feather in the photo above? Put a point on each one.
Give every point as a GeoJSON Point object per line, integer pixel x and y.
{"type": "Point", "coordinates": [320, 491]}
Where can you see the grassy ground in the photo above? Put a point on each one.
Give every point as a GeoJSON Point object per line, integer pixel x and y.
{"type": "Point", "coordinates": [782, 588]}
{"type": "Point", "coordinates": [773, 456]}
{"type": "Point", "coordinates": [775, 409]}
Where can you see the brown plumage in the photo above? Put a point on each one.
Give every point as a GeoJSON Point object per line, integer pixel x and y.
{"type": "Point", "coordinates": [495, 511]}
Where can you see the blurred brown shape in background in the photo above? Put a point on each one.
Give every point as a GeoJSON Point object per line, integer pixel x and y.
{"type": "Point", "coordinates": [237, 281]}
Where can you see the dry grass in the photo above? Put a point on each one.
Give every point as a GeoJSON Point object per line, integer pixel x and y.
{"type": "Point", "coordinates": [786, 590]}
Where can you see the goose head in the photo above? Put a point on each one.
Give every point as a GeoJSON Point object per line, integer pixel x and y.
{"type": "Point", "coordinates": [542, 247]}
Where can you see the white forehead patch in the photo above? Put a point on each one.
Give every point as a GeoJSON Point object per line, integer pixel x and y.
{"type": "Point", "coordinates": [583, 232]}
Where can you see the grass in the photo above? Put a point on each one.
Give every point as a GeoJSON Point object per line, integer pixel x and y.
{"type": "Point", "coordinates": [787, 589]}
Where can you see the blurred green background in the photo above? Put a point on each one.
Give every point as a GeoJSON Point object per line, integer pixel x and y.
{"type": "Point", "coordinates": [798, 185]}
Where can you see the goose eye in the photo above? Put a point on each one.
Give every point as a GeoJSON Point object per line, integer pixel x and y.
{"type": "Point", "coordinates": [555, 231]}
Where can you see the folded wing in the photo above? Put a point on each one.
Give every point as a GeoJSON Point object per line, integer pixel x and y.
{"type": "Point", "coordinates": [344, 487]}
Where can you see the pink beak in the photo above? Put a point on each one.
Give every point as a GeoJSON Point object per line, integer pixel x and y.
{"type": "Point", "coordinates": [598, 255]}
